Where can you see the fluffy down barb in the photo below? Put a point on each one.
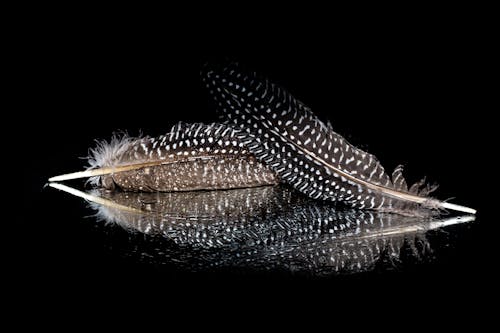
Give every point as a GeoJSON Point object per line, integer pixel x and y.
{"type": "Point", "coordinates": [108, 154]}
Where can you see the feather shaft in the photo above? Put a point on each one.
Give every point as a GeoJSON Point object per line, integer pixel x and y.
{"type": "Point", "coordinates": [93, 198]}
{"type": "Point", "coordinates": [190, 157]}
{"type": "Point", "coordinates": [391, 192]}
{"type": "Point", "coordinates": [103, 171]}
{"type": "Point", "coordinates": [458, 208]}
{"type": "Point", "coordinates": [311, 156]}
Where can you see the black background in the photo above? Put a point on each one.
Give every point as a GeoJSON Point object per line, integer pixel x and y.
{"type": "Point", "coordinates": [417, 94]}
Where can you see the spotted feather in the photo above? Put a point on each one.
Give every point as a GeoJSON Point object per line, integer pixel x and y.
{"type": "Point", "coordinates": [305, 152]}
{"type": "Point", "coordinates": [189, 157]}
{"type": "Point", "coordinates": [266, 228]}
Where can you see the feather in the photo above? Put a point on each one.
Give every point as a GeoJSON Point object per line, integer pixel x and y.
{"type": "Point", "coordinates": [264, 227]}
{"type": "Point", "coordinates": [306, 153]}
{"type": "Point", "coordinates": [190, 157]}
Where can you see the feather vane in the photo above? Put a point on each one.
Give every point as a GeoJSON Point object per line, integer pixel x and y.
{"type": "Point", "coordinates": [189, 157]}
{"type": "Point", "coordinates": [306, 153]}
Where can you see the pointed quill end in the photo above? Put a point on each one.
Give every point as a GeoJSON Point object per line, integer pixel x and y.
{"type": "Point", "coordinates": [74, 175]}
{"type": "Point", "coordinates": [93, 198]}
{"type": "Point", "coordinates": [458, 208]}
{"type": "Point", "coordinates": [451, 221]}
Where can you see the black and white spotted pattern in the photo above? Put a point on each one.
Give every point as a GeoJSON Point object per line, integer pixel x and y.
{"type": "Point", "coordinates": [305, 152]}
{"type": "Point", "coordinates": [266, 227]}
{"type": "Point", "coordinates": [190, 157]}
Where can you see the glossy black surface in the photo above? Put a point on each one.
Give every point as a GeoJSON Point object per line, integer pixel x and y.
{"type": "Point", "coordinates": [406, 103]}
{"type": "Point", "coordinates": [267, 229]}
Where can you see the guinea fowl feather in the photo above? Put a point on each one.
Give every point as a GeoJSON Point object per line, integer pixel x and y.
{"type": "Point", "coordinates": [189, 157]}
{"type": "Point", "coordinates": [306, 153]}
{"type": "Point", "coordinates": [267, 136]}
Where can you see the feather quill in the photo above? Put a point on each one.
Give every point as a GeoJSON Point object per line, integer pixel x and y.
{"type": "Point", "coordinates": [306, 153]}
{"type": "Point", "coordinates": [262, 227]}
{"type": "Point", "coordinates": [190, 157]}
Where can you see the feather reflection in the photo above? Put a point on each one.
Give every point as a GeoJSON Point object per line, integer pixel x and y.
{"type": "Point", "coordinates": [262, 228]}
